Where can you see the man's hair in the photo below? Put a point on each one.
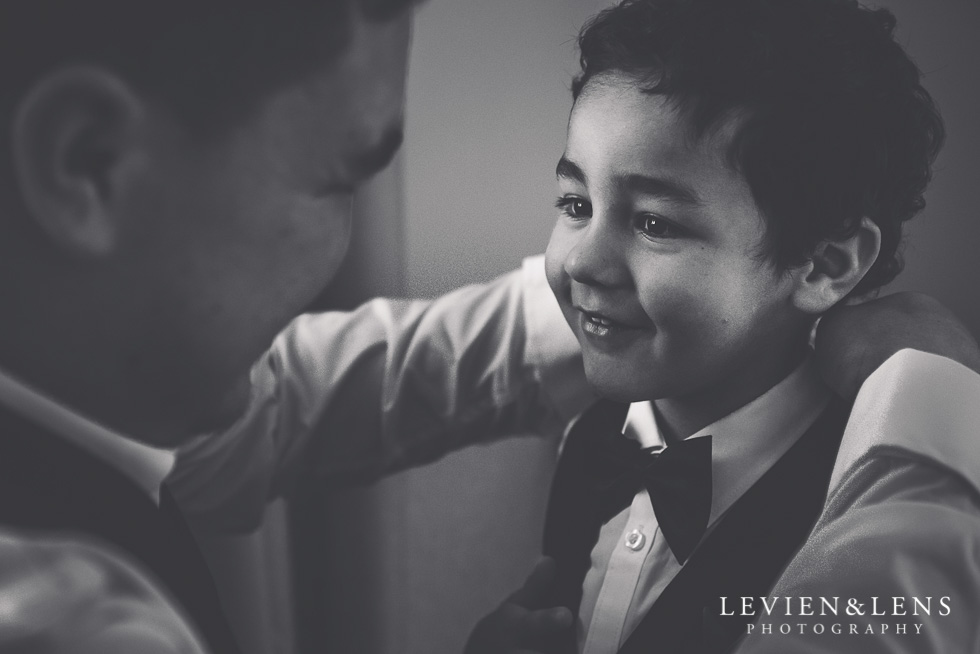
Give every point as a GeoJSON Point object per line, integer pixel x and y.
{"type": "Point", "coordinates": [209, 61]}
{"type": "Point", "coordinates": [834, 122]}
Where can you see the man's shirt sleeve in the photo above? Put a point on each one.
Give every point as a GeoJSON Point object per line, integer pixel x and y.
{"type": "Point", "coordinates": [902, 520]}
{"type": "Point", "coordinates": [346, 397]}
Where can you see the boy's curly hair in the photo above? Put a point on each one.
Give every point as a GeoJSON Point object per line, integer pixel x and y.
{"type": "Point", "coordinates": [835, 124]}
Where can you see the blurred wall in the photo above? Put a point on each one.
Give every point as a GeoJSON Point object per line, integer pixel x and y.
{"type": "Point", "coordinates": [942, 242]}
{"type": "Point", "coordinates": [488, 102]}
{"type": "Point", "coordinates": [487, 108]}
{"type": "Point", "coordinates": [345, 548]}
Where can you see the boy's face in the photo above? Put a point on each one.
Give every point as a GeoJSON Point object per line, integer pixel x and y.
{"type": "Point", "coordinates": [654, 257]}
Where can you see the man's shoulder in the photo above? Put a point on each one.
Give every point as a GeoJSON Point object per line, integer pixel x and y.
{"type": "Point", "coordinates": [902, 493]}
{"type": "Point", "coordinates": [896, 524]}
{"type": "Point", "coordinates": [78, 594]}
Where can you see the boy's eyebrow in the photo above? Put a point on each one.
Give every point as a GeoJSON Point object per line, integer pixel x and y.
{"type": "Point", "coordinates": [568, 170]}
{"type": "Point", "coordinates": [667, 189]}
{"type": "Point", "coordinates": [660, 187]}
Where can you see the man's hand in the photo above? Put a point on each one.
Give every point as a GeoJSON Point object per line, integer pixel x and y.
{"type": "Point", "coordinates": [68, 597]}
{"type": "Point", "coordinates": [853, 341]}
{"type": "Point", "coordinates": [523, 624]}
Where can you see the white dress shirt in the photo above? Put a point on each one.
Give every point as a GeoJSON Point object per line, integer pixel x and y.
{"type": "Point", "coordinates": [902, 519]}
{"type": "Point", "coordinates": [631, 562]}
{"type": "Point", "coordinates": [354, 394]}
{"type": "Point", "coordinates": [395, 383]}
{"type": "Point", "coordinates": [146, 466]}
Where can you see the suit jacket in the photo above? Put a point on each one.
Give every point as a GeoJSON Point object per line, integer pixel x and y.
{"type": "Point", "coordinates": [741, 557]}
{"type": "Point", "coordinates": [50, 485]}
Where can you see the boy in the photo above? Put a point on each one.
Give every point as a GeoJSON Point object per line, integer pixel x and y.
{"type": "Point", "coordinates": [733, 169]}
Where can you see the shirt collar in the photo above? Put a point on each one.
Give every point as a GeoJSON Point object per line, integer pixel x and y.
{"type": "Point", "coordinates": [748, 441]}
{"type": "Point", "coordinates": [144, 465]}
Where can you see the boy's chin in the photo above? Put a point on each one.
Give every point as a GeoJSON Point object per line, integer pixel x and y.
{"type": "Point", "coordinates": [619, 387]}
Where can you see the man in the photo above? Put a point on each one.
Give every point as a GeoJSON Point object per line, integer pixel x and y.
{"type": "Point", "coordinates": [178, 187]}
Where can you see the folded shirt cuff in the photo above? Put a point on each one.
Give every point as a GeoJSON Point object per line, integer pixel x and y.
{"type": "Point", "coordinates": [550, 346]}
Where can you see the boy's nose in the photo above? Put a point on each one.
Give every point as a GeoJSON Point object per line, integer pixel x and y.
{"type": "Point", "coordinates": [596, 258]}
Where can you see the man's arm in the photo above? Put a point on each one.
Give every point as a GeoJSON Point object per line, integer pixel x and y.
{"type": "Point", "coordinates": [897, 524]}
{"type": "Point", "coordinates": [902, 517]}
{"type": "Point", "coordinates": [896, 527]}
{"type": "Point", "coordinates": [345, 397]}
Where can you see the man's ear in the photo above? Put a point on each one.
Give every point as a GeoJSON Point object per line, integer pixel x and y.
{"type": "Point", "coordinates": [835, 269]}
{"type": "Point", "coordinates": [75, 141]}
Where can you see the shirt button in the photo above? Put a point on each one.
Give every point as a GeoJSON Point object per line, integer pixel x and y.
{"type": "Point", "coordinates": [635, 540]}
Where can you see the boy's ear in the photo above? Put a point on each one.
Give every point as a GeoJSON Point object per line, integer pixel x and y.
{"type": "Point", "coordinates": [835, 269]}
{"type": "Point", "coordinates": [74, 142]}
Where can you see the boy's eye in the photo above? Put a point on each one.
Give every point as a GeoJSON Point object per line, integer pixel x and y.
{"type": "Point", "coordinates": [656, 226]}
{"type": "Point", "coordinates": [574, 207]}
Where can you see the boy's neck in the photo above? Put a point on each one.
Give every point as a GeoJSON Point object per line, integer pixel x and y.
{"type": "Point", "coordinates": [679, 417]}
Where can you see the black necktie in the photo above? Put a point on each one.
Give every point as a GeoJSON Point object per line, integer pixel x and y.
{"type": "Point", "coordinates": [678, 479]}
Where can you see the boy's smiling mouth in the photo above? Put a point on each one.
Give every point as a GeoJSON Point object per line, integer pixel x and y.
{"type": "Point", "coordinates": [596, 324]}
{"type": "Point", "coordinates": [602, 329]}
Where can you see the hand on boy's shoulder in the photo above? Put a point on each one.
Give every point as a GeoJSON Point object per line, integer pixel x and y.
{"type": "Point", "coordinates": [59, 596]}
{"type": "Point", "coordinates": [854, 340]}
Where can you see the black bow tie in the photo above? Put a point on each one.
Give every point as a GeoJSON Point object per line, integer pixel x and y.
{"type": "Point", "coordinates": [678, 479]}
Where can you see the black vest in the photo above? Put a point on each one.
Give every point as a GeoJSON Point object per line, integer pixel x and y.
{"type": "Point", "coordinates": [49, 485]}
{"type": "Point", "coordinates": [741, 557]}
